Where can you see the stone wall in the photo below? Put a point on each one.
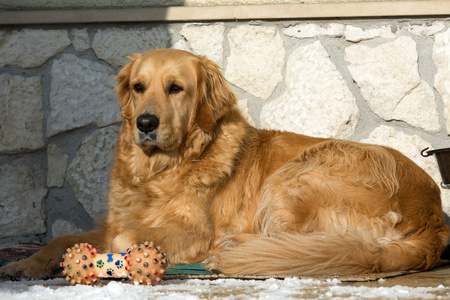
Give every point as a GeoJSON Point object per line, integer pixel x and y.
{"type": "Point", "coordinates": [379, 81]}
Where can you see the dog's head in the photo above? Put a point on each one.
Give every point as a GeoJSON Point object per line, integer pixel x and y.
{"type": "Point", "coordinates": [167, 94]}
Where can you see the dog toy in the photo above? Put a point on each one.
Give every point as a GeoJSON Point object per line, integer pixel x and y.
{"type": "Point", "coordinates": [141, 264]}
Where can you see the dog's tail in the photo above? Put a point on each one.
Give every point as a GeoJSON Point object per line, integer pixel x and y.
{"type": "Point", "coordinates": [337, 253]}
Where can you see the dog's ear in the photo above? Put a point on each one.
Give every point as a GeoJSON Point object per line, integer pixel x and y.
{"type": "Point", "coordinates": [123, 87]}
{"type": "Point", "coordinates": [215, 95]}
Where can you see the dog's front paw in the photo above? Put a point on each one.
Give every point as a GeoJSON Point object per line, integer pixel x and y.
{"type": "Point", "coordinates": [28, 268]}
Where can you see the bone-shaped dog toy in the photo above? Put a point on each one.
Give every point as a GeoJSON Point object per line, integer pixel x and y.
{"type": "Point", "coordinates": [141, 264]}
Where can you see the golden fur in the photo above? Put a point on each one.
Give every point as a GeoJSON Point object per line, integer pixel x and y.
{"type": "Point", "coordinates": [210, 188]}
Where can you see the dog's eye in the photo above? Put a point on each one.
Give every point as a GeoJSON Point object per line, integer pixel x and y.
{"type": "Point", "coordinates": [138, 88]}
{"type": "Point", "coordinates": [174, 89]}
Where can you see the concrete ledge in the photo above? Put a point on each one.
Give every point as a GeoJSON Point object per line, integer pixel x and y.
{"type": "Point", "coordinates": [242, 12]}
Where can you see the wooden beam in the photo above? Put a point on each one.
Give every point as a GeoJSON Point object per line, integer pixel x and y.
{"type": "Point", "coordinates": [439, 8]}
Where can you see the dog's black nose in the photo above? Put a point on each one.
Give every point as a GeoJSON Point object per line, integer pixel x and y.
{"type": "Point", "coordinates": [147, 123]}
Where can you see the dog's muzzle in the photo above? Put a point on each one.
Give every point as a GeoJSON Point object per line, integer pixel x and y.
{"type": "Point", "coordinates": [147, 125]}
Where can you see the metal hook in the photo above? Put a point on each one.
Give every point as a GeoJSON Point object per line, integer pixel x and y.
{"type": "Point", "coordinates": [445, 186]}
{"type": "Point", "coordinates": [425, 154]}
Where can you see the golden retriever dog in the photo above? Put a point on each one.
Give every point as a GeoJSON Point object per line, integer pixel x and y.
{"type": "Point", "coordinates": [193, 176]}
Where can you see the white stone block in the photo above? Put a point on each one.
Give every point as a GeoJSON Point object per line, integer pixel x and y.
{"type": "Point", "coordinates": [30, 48]}
{"type": "Point", "coordinates": [357, 34]}
{"type": "Point", "coordinates": [82, 92]}
{"type": "Point", "coordinates": [389, 80]}
{"type": "Point", "coordinates": [80, 39]}
{"type": "Point", "coordinates": [206, 40]}
{"type": "Point", "coordinates": [441, 58]}
{"type": "Point", "coordinates": [425, 29]}
{"type": "Point", "coordinates": [115, 44]}
{"type": "Point", "coordinates": [21, 114]}
{"type": "Point", "coordinates": [256, 59]}
{"type": "Point", "coordinates": [57, 164]}
{"type": "Point", "coordinates": [317, 100]}
{"type": "Point", "coordinates": [89, 172]}
{"type": "Point", "coordinates": [62, 227]}
{"type": "Point", "coordinates": [22, 196]}
{"type": "Point", "coordinates": [181, 45]}
{"type": "Point", "coordinates": [419, 108]}
{"type": "Point", "coordinates": [411, 146]}
{"type": "Point", "coordinates": [310, 30]}
{"type": "Point", "coordinates": [243, 108]}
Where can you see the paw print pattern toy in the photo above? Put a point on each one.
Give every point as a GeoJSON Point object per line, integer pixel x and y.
{"type": "Point", "coordinates": [142, 264]}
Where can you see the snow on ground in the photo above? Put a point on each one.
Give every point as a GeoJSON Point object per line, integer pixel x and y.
{"type": "Point", "coordinates": [290, 288]}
